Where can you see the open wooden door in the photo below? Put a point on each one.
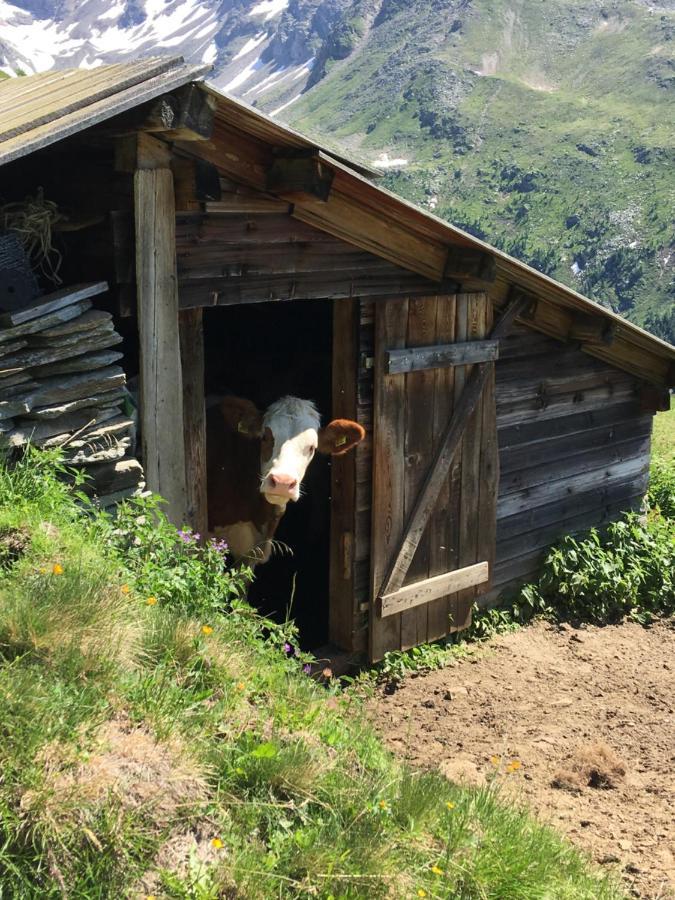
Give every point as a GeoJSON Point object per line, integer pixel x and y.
{"type": "Point", "coordinates": [435, 465]}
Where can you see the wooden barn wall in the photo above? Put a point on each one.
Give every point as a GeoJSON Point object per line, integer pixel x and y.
{"type": "Point", "coordinates": [573, 447]}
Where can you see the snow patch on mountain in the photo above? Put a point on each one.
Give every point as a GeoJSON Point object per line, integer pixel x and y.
{"type": "Point", "coordinates": [250, 45]}
{"type": "Point", "coordinates": [269, 8]}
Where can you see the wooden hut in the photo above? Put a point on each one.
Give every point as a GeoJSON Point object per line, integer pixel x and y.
{"type": "Point", "coordinates": [502, 408]}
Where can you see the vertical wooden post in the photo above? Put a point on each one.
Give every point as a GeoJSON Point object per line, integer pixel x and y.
{"type": "Point", "coordinates": [194, 416]}
{"type": "Point", "coordinates": [161, 390]}
{"type": "Point", "coordinates": [342, 615]}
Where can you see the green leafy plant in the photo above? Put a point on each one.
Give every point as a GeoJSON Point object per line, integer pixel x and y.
{"type": "Point", "coordinates": [628, 569]}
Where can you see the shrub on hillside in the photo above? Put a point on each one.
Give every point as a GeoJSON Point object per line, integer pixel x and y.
{"type": "Point", "coordinates": [662, 487]}
{"type": "Point", "coordinates": [626, 570]}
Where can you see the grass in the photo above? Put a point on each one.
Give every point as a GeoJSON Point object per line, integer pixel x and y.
{"type": "Point", "coordinates": [663, 437]}
{"type": "Point", "coordinates": [157, 744]}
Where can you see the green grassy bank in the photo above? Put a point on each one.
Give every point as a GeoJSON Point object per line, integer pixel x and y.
{"type": "Point", "coordinates": [159, 739]}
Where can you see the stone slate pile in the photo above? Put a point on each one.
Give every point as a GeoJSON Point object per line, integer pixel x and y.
{"type": "Point", "coordinates": [60, 387]}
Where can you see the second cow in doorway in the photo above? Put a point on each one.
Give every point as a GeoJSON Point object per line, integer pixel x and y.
{"type": "Point", "coordinates": [256, 462]}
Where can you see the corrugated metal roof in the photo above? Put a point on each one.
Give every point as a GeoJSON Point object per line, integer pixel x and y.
{"type": "Point", "coordinates": [38, 110]}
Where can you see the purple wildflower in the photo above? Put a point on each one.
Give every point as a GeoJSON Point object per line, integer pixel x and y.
{"type": "Point", "coordinates": [186, 536]}
{"type": "Point", "coordinates": [307, 669]}
{"type": "Point", "coordinates": [289, 649]}
{"type": "Point", "coordinates": [220, 546]}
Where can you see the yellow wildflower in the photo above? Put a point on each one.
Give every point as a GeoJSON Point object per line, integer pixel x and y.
{"type": "Point", "coordinates": [217, 844]}
{"type": "Point", "coordinates": [125, 589]}
{"type": "Point", "coordinates": [421, 892]}
{"type": "Point", "coordinates": [514, 765]}
{"type": "Point", "coordinates": [383, 804]}
{"type": "Point", "coordinates": [494, 760]}
{"type": "Point", "coordinates": [151, 601]}
{"type": "Point", "coordinates": [57, 569]}
{"type": "Point", "coordinates": [241, 686]}
{"type": "Point", "coordinates": [437, 870]}
{"type": "Point", "coordinates": [450, 804]}
{"type": "Point", "coordinates": [206, 629]}
{"type": "Point", "coordinates": [43, 571]}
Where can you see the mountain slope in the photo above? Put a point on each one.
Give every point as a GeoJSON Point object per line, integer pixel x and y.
{"type": "Point", "coordinates": [546, 129]}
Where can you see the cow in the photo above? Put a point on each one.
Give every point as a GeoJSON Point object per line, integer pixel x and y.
{"type": "Point", "coordinates": [255, 465]}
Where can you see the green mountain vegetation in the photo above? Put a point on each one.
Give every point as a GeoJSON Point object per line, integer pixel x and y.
{"type": "Point", "coordinates": [160, 739]}
{"type": "Point", "coordinates": [545, 128]}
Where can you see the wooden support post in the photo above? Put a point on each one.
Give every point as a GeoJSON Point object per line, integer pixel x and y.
{"type": "Point", "coordinates": [161, 391]}
{"type": "Point", "coordinates": [194, 417]}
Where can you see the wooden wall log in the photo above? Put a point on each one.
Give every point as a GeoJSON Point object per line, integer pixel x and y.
{"type": "Point", "coordinates": [572, 457]}
{"type": "Point", "coordinates": [194, 417]}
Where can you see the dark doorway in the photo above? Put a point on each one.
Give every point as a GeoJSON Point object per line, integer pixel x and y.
{"type": "Point", "coordinates": [265, 351]}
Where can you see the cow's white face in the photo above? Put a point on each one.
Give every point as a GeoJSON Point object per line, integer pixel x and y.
{"type": "Point", "coordinates": [290, 436]}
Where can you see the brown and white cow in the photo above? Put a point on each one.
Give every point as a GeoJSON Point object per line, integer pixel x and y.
{"type": "Point", "coordinates": [256, 462]}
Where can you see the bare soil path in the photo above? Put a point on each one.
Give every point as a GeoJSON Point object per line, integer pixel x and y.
{"type": "Point", "coordinates": [587, 715]}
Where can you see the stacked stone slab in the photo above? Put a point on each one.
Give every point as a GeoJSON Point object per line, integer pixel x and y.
{"type": "Point", "coordinates": [60, 387]}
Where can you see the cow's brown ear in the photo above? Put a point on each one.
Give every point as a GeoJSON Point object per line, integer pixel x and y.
{"type": "Point", "coordinates": [339, 436]}
{"type": "Point", "coordinates": [242, 416]}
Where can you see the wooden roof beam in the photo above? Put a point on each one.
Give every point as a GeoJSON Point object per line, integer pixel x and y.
{"type": "Point", "coordinates": [468, 263]}
{"type": "Point", "coordinates": [298, 176]}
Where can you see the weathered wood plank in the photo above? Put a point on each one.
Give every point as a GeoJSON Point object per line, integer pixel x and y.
{"type": "Point", "coordinates": [343, 613]}
{"type": "Point", "coordinates": [350, 221]}
{"type": "Point", "coordinates": [526, 432]}
{"type": "Point", "coordinates": [391, 322]}
{"type": "Point", "coordinates": [574, 464]}
{"type": "Point", "coordinates": [564, 405]}
{"type": "Point", "coordinates": [194, 418]}
{"type": "Point", "coordinates": [446, 450]}
{"type": "Point", "coordinates": [578, 503]}
{"type": "Point", "coordinates": [541, 494]}
{"type": "Point", "coordinates": [473, 326]}
{"type": "Point", "coordinates": [161, 401]}
{"type": "Point", "coordinates": [422, 592]}
{"type": "Point", "coordinates": [416, 359]}
{"type": "Point", "coordinates": [419, 421]}
{"type": "Point", "coordinates": [489, 477]}
{"type": "Point", "coordinates": [303, 286]}
{"type": "Point", "coordinates": [443, 526]}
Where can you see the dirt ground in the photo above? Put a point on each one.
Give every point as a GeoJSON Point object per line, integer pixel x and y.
{"type": "Point", "coordinates": [577, 723]}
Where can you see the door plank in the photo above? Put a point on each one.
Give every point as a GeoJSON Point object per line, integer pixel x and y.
{"type": "Point", "coordinates": [421, 593]}
{"type": "Point", "coordinates": [443, 527]}
{"type": "Point", "coordinates": [419, 397]}
{"type": "Point", "coordinates": [475, 324]}
{"type": "Point", "coordinates": [391, 323]}
{"type": "Point", "coordinates": [417, 358]}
